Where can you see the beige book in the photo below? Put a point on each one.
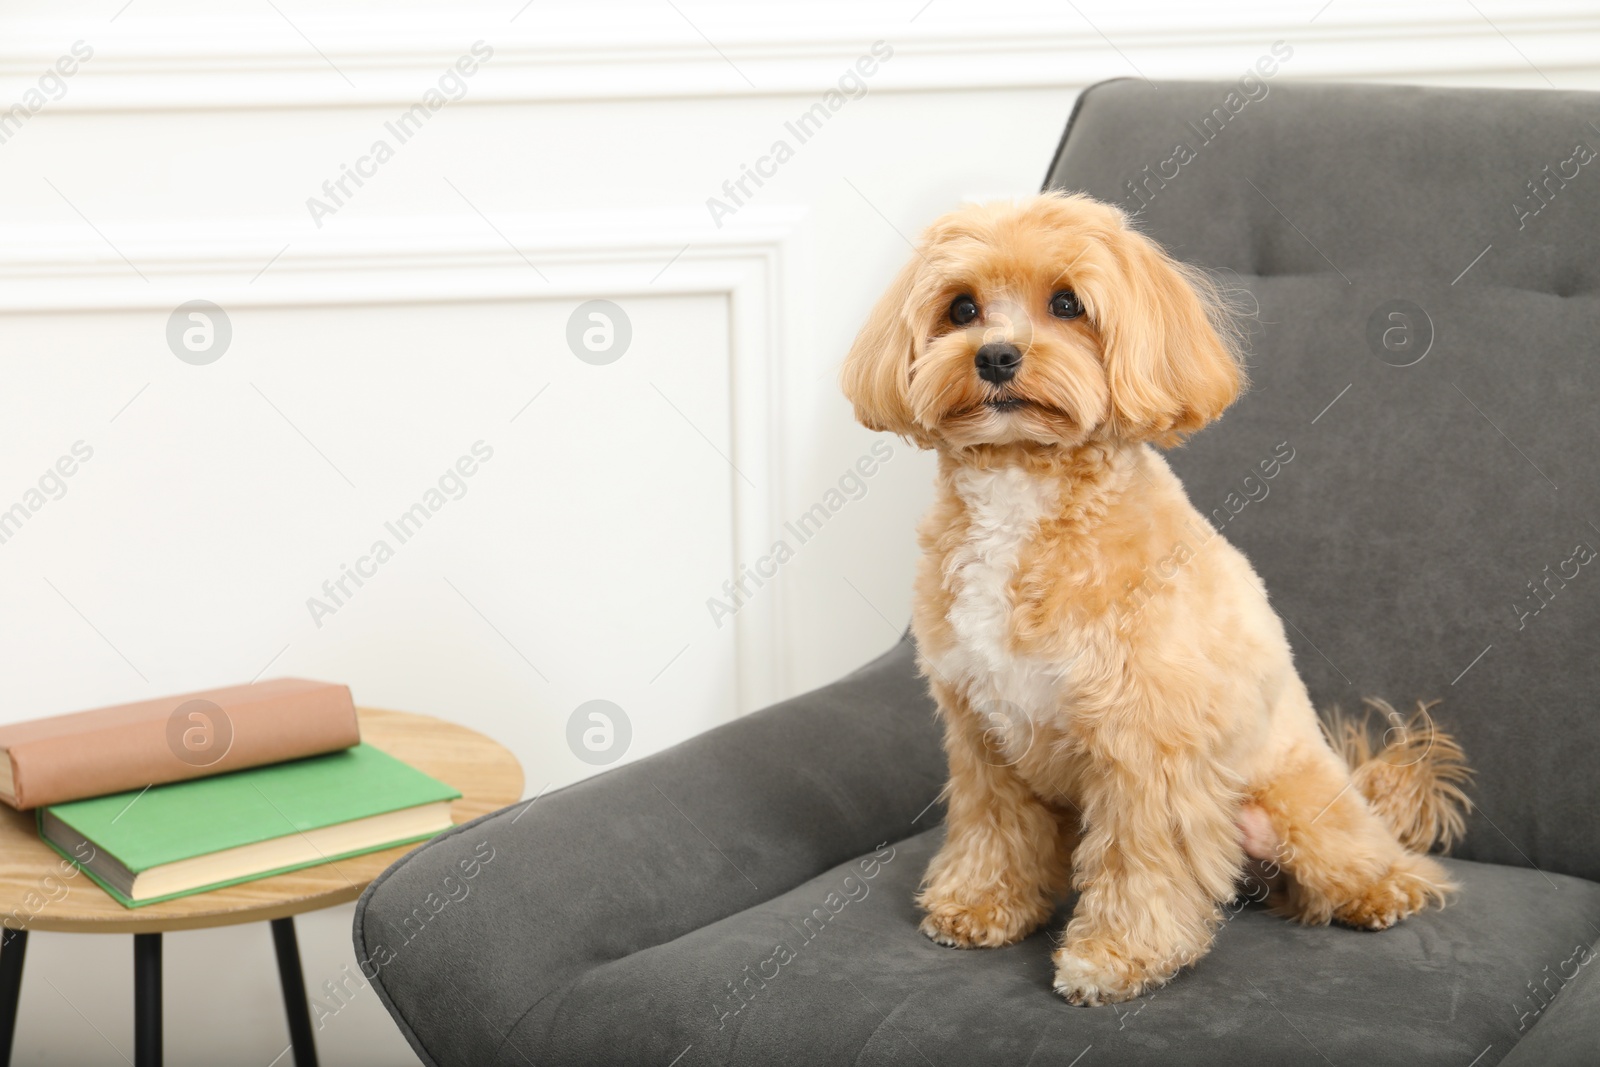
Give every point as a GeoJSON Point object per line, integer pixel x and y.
{"type": "Point", "coordinates": [170, 739]}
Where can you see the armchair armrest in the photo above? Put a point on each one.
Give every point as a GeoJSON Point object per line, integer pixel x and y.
{"type": "Point", "coordinates": [464, 936]}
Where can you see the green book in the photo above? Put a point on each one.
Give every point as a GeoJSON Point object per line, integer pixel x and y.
{"type": "Point", "coordinates": [187, 837]}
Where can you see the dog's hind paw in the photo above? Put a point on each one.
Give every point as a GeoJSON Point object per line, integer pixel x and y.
{"type": "Point", "coordinates": [1410, 885]}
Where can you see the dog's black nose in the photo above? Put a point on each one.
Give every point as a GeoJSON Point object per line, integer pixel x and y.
{"type": "Point", "coordinates": [998, 362]}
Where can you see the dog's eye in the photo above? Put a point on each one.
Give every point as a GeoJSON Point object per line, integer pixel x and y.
{"type": "Point", "coordinates": [963, 309]}
{"type": "Point", "coordinates": [1066, 305]}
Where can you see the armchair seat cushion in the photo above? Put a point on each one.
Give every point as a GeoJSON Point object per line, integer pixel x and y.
{"type": "Point", "coordinates": [834, 971]}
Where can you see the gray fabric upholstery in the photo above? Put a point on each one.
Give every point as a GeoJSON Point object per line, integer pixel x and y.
{"type": "Point", "coordinates": [864, 987]}
{"type": "Point", "coordinates": [613, 921]}
{"type": "Point", "coordinates": [1567, 1032]}
{"type": "Point", "coordinates": [1411, 520]}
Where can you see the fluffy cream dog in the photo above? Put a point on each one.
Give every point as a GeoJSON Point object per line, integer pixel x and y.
{"type": "Point", "coordinates": [1127, 738]}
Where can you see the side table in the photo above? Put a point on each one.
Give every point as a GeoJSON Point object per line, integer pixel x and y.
{"type": "Point", "coordinates": [485, 772]}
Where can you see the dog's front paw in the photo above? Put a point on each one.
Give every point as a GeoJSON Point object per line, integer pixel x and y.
{"type": "Point", "coordinates": [1410, 885]}
{"type": "Point", "coordinates": [1090, 978]}
{"type": "Point", "coordinates": [986, 921]}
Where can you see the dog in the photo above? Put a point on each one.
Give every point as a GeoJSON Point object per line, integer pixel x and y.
{"type": "Point", "coordinates": [1137, 749]}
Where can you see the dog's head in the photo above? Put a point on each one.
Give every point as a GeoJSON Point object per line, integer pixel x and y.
{"type": "Point", "coordinates": [1048, 321]}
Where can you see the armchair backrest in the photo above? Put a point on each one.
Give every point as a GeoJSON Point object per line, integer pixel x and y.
{"type": "Point", "coordinates": [1416, 469]}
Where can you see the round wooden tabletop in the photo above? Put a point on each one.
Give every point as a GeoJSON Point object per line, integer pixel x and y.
{"type": "Point", "coordinates": [35, 895]}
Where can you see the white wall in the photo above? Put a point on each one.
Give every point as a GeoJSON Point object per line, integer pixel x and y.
{"type": "Point", "coordinates": [425, 313]}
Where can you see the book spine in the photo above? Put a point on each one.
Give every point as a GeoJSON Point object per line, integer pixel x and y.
{"type": "Point", "coordinates": [18, 788]}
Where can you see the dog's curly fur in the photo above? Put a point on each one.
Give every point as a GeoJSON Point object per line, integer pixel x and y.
{"type": "Point", "coordinates": [1129, 738]}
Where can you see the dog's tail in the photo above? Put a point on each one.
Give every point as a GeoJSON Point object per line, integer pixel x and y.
{"type": "Point", "coordinates": [1416, 777]}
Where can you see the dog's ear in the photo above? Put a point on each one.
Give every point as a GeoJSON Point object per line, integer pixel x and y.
{"type": "Point", "coordinates": [1171, 353]}
{"type": "Point", "coordinates": [876, 376]}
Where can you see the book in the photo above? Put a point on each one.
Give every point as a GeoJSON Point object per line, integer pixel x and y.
{"type": "Point", "coordinates": [169, 739]}
{"type": "Point", "coordinates": [187, 837]}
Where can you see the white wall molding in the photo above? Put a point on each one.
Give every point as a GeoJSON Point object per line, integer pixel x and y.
{"type": "Point", "coordinates": [649, 51]}
{"type": "Point", "coordinates": [151, 264]}
{"type": "Point", "coordinates": [577, 255]}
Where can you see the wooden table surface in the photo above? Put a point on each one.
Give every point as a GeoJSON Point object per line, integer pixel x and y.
{"type": "Point", "coordinates": [32, 885]}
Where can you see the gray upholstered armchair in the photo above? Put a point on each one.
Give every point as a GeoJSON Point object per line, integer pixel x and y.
{"type": "Point", "coordinates": [1425, 386]}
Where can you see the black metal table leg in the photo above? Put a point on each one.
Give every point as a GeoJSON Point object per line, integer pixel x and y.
{"type": "Point", "coordinates": [294, 992]}
{"type": "Point", "coordinates": [13, 947]}
{"type": "Point", "coordinates": [147, 1000]}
